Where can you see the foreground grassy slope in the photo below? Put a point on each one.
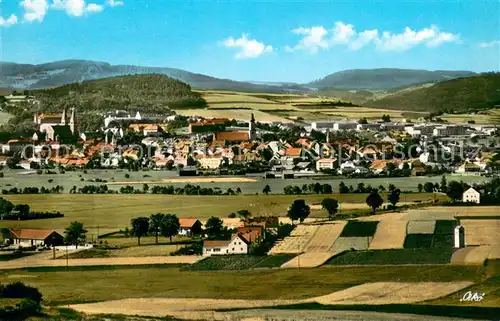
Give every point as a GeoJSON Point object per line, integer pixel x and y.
{"type": "Point", "coordinates": [457, 95]}
{"type": "Point", "coordinates": [96, 284]}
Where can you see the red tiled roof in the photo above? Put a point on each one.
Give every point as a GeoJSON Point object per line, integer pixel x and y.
{"type": "Point", "coordinates": [187, 222]}
{"type": "Point", "coordinates": [216, 243]}
{"type": "Point", "coordinates": [232, 136]}
{"type": "Point", "coordinates": [293, 151]}
{"type": "Point", "coordinates": [326, 160]}
{"type": "Point", "coordinates": [378, 164]}
{"type": "Point", "coordinates": [31, 234]}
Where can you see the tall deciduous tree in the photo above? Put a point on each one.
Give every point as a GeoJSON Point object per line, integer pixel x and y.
{"type": "Point", "coordinates": [393, 197]}
{"type": "Point", "coordinates": [214, 227]}
{"type": "Point", "coordinates": [155, 221]}
{"type": "Point", "coordinates": [170, 226]}
{"type": "Point", "coordinates": [140, 227]}
{"type": "Point", "coordinates": [331, 206]}
{"type": "Point", "coordinates": [454, 190]}
{"type": "Point", "coordinates": [75, 233]}
{"type": "Point", "coordinates": [374, 200]}
{"type": "Point", "coordinates": [299, 210]}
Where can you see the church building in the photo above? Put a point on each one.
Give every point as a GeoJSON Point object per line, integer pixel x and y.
{"type": "Point", "coordinates": [54, 127]}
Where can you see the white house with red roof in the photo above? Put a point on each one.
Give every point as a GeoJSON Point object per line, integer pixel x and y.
{"type": "Point", "coordinates": [236, 245]}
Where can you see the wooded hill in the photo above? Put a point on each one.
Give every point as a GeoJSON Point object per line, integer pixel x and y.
{"type": "Point", "coordinates": [461, 95]}
{"type": "Point", "coordinates": [147, 93]}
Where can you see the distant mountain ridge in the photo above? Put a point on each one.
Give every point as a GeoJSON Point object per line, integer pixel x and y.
{"type": "Point", "coordinates": [384, 78]}
{"type": "Point", "coordinates": [57, 73]}
{"type": "Point", "coordinates": [52, 74]}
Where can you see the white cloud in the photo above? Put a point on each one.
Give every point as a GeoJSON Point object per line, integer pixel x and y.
{"type": "Point", "coordinates": [34, 10]}
{"type": "Point", "coordinates": [76, 8]}
{"type": "Point", "coordinates": [345, 34]}
{"type": "Point", "coordinates": [489, 44]}
{"type": "Point", "coordinates": [115, 3]}
{"type": "Point", "coordinates": [93, 7]}
{"type": "Point", "coordinates": [342, 33]}
{"type": "Point", "coordinates": [11, 20]}
{"type": "Point", "coordinates": [363, 39]}
{"type": "Point", "coordinates": [313, 40]}
{"type": "Point", "coordinates": [248, 48]}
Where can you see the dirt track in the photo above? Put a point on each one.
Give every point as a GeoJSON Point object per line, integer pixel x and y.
{"type": "Point", "coordinates": [18, 264]}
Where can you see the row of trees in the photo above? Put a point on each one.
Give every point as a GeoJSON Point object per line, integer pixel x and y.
{"type": "Point", "coordinates": [318, 188]}
{"type": "Point", "coordinates": [157, 224]}
{"type": "Point", "coordinates": [21, 212]}
{"type": "Point", "coordinates": [168, 225]}
{"type": "Point", "coordinates": [299, 210]}
{"type": "Point", "coordinates": [34, 190]}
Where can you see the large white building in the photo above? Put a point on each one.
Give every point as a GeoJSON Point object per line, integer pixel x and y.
{"type": "Point", "coordinates": [325, 163]}
{"type": "Point", "coordinates": [237, 245]}
{"type": "Point", "coordinates": [471, 196]}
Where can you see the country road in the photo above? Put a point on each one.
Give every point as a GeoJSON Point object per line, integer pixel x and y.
{"type": "Point", "coordinates": [44, 260]}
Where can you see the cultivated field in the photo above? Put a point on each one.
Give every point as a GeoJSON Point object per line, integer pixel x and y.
{"type": "Point", "coordinates": [371, 293]}
{"type": "Point", "coordinates": [392, 292]}
{"type": "Point", "coordinates": [111, 212]}
{"type": "Point", "coordinates": [390, 234]}
{"type": "Point", "coordinates": [283, 107]}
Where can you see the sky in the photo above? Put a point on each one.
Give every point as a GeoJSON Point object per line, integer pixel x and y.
{"type": "Point", "coordinates": [267, 40]}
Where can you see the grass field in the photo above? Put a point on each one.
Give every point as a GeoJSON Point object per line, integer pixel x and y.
{"type": "Point", "coordinates": [90, 285]}
{"type": "Point", "coordinates": [117, 179]}
{"type": "Point", "coordinates": [110, 212]}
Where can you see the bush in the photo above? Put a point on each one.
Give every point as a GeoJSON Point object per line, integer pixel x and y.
{"type": "Point", "coordinates": [19, 290]}
{"type": "Point", "coordinates": [232, 215]}
{"type": "Point", "coordinates": [28, 307]}
{"type": "Point", "coordinates": [50, 180]}
{"type": "Point", "coordinates": [127, 175]}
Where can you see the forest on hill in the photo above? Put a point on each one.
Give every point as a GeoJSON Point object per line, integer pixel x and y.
{"type": "Point", "coordinates": [147, 93]}
{"type": "Point", "coordinates": [461, 95]}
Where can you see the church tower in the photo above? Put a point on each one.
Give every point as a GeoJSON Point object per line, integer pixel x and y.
{"type": "Point", "coordinates": [252, 135]}
{"type": "Point", "coordinates": [63, 118]}
{"type": "Point", "coordinates": [72, 121]}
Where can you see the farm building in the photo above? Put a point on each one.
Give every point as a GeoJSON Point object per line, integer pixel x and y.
{"type": "Point", "coordinates": [32, 237]}
{"type": "Point", "coordinates": [189, 226]}
{"type": "Point", "coordinates": [236, 245]}
{"type": "Point", "coordinates": [471, 196]}
{"type": "Point", "coordinates": [252, 233]}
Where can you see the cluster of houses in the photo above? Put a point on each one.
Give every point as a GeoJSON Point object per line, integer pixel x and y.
{"type": "Point", "coordinates": [211, 144]}
{"type": "Point", "coordinates": [248, 233]}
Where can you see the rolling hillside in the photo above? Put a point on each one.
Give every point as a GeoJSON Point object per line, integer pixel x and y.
{"type": "Point", "coordinates": [150, 93]}
{"type": "Point", "coordinates": [468, 94]}
{"type": "Point", "coordinates": [384, 78]}
{"type": "Point", "coordinates": [25, 76]}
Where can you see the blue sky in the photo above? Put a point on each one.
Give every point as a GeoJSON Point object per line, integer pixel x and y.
{"type": "Point", "coordinates": [256, 40]}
